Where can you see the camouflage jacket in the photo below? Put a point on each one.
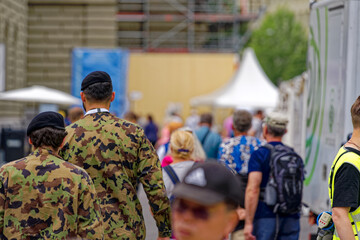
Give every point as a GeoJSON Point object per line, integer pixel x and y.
{"type": "Point", "coordinates": [118, 156]}
{"type": "Point", "coordinates": [44, 197]}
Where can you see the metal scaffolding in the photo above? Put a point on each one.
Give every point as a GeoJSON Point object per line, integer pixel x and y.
{"type": "Point", "coordinates": [183, 25]}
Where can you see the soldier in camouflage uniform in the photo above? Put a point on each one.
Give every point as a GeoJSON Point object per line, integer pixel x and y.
{"type": "Point", "coordinates": [118, 157]}
{"type": "Point", "coordinates": [44, 197]}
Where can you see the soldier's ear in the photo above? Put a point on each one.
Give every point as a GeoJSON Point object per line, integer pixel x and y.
{"type": "Point", "coordinates": [30, 142]}
{"type": "Point", "coordinates": [82, 95]}
{"type": "Point", "coordinates": [112, 96]}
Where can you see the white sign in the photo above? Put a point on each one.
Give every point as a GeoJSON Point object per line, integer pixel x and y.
{"type": "Point", "coordinates": [2, 67]}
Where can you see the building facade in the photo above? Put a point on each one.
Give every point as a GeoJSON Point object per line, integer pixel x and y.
{"type": "Point", "coordinates": [13, 43]}
{"type": "Point", "coordinates": [56, 27]}
{"type": "Point", "coordinates": [38, 37]}
{"type": "Point", "coordinates": [36, 41]}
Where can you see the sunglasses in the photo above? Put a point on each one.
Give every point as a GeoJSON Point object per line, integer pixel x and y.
{"type": "Point", "coordinates": [198, 212]}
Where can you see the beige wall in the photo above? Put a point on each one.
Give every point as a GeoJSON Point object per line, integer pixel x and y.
{"type": "Point", "coordinates": [13, 33]}
{"type": "Point", "coordinates": [165, 78]}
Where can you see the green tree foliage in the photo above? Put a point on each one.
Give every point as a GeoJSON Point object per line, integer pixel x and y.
{"type": "Point", "coordinates": [280, 44]}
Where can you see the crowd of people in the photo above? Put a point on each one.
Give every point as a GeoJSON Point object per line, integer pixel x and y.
{"type": "Point", "coordinates": [81, 179]}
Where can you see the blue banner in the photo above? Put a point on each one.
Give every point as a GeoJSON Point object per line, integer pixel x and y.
{"type": "Point", "coordinates": [113, 61]}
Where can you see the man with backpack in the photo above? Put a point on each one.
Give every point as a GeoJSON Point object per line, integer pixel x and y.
{"type": "Point", "coordinates": [274, 189]}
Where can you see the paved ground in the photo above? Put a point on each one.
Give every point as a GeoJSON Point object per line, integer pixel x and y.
{"type": "Point", "coordinates": [151, 230]}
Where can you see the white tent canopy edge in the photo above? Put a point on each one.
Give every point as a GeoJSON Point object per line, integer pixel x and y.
{"type": "Point", "coordinates": [249, 88]}
{"type": "Point", "coordinates": [39, 94]}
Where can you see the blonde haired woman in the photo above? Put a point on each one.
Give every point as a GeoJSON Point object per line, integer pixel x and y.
{"type": "Point", "coordinates": [181, 150]}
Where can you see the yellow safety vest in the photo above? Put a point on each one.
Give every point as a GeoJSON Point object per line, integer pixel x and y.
{"type": "Point", "coordinates": [345, 156]}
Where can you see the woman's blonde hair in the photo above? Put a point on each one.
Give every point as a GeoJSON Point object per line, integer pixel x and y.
{"type": "Point", "coordinates": [181, 144]}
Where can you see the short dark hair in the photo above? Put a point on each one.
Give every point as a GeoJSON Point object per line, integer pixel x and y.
{"type": "Point", "coordinates": [48, 136]}
{"type": "Point", "coordinates": [206, 118]}
{"type": "Point", "coordinates": [242, 120]}
{"type": "Point", "coordinates": [99, 92]}
{"type": "Point", "coordinates": [355, 113]}
{"type": "Point", "coordinates": [276, 131]}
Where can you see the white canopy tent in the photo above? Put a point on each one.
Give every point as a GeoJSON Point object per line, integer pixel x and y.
{"type": "Point", "coordinates": [39, 94]}
{"type": "Point", "coordinates": [249, 88]}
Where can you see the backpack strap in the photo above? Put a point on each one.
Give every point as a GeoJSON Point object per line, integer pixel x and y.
{"type": "Point", "coordinates": [205, 137]}
{"type": "Point", "coordinates": [173, 177]}
{"type": "Point", "coordinates": [271, 149]}
{"type": "Point", "coordinates": [166, 146]}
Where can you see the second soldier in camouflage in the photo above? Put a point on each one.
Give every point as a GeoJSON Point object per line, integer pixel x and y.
{"type": "Point", "coordinates": [44, 197]}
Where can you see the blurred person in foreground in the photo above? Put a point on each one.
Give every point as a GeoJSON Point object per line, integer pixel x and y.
{"type": "Point", "coordinates": [181, 148]}
{"type": "Point", "coordinates": [205, 203]}
{"type": "Point", "coordinates": [75, 113]}
{"type": "Point", "coordinates": [235, 153]}
{"type": "Point", "coordinates": [209, 139]}
{"type": "Point", "coordinates": [44, 197]}
{"type": "Point", "coordinates": [344, 183]}
{"type": "Point", "coordinates": [118, 156]}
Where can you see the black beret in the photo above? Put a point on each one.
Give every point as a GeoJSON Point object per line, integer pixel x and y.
{"type": "Point", "coordinates": [95, 77]}
{"type": "Point", "coordinates": [46, 119]}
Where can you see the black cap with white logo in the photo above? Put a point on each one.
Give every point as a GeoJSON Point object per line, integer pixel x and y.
{"type": "Point", "coordinates": [209, 183]}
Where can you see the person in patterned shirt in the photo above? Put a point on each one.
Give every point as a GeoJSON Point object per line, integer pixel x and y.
{"type": "Point", "coordinates": [44, 197]}
{"type": "Point", "coordinates": [235, 153]}
{"type": "Point", "coordinates": [118, 156]}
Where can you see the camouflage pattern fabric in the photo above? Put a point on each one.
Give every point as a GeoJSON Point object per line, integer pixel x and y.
{"type": "Point", "coordinates": [118, 156]}
{"type": "Point", "coordinates": [44, 197]}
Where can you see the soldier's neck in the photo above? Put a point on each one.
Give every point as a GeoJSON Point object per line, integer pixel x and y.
{"type": "Point", "coordinates": [97, 105]}
{"type": "Point", "coordinates": [55, 151]}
